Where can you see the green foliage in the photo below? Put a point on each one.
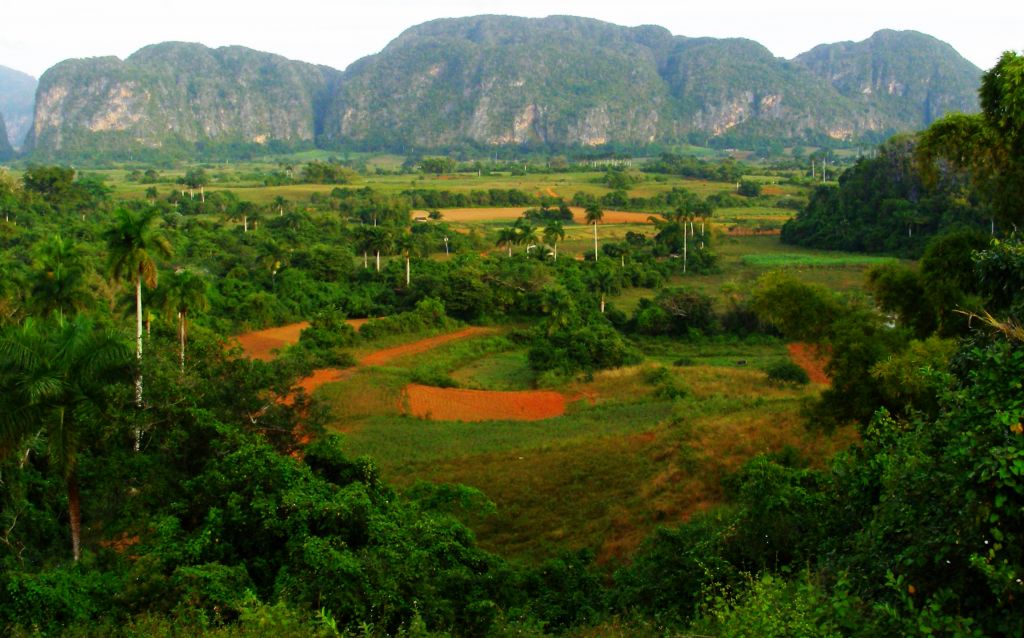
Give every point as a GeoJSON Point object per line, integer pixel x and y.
{"type": "Point", "coordinates": [801, 312]}
{"type": "Point", "coordinates": [787, 372]}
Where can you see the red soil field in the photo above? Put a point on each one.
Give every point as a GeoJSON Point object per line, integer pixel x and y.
{"type": "Point", "coordinates": [738, 231]}
{"type": "Point", "coordinates": [807, 357]}
{"type": "Point", "coordinates": [382, 357]}
{"type": "Point", "coordinates": [451, 404]}
{"type": "Point", "coordinates": [261, 344]}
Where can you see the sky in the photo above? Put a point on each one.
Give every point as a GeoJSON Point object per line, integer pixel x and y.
{"type": "Point", "coordinates": [35, 35]}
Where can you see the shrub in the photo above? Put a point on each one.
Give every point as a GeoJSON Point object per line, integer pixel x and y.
{"type": "Point", "coordinates": [787, 372]}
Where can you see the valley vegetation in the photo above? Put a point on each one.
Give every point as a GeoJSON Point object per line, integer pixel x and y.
{"type": "Point", "coordinates": [160, 479]}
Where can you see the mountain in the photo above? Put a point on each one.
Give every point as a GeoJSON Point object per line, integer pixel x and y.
{"type": "Point", "coordinates": [6, 151]}
{"type": "Point", "coordinates": [17, 97]}
{"type": "Point", "coordinates": [905, 76]}
{"type": "Point", "coordinates": [174, 96]}
{"type": "Point", "coordinates": [496, 80]}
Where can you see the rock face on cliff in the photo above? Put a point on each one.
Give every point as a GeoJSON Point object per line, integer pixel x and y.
{"type": "Point", "coordinates": [178, 94]}
{"type": "Point", "coordinates": [6, 152]}
{"type": "Point", "coordinates": [496, 80]}
{"type": "Point", "coordinates": [908, 79]}
{"type": "Point", "coordinates": [17, 95]}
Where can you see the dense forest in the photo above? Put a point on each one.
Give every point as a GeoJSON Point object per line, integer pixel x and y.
{"type": "Point", "coordinates": [156, 482]}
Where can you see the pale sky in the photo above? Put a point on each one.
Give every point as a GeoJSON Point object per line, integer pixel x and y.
{"type": "Point", "coordinates": [36, 34]}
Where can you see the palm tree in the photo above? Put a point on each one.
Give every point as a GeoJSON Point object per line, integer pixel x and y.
{"type": "Point", "coordinates": [280, 203]}
{"type": "Point", "coordinates": [59, 282]}
{"type": "Point", "coordinates": [53, 379]}
{"type": "Point", "coordinates": [183, 293]}
{"type": "Point", "coordinates": [553, 233]}
{"type": "Point", "coordinates": [507, 236]}
{"type": "Point", "coordinates": [405, 244]}
{"type": "Point", "coordinates": [526, 234]}
{"type": "Point", "coordinates": [594, 215]}
{"type": "Point", "coordinates": [130, 243]}
{"type": "Point", "coordinates": [380, 240]}
{"type": "Point", "coordinates": [604, 281]}
{"type": "Point", "coordinates": [704, 210]}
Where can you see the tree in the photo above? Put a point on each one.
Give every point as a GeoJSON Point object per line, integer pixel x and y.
{"type": "Point", "coordinates": [130, 243]}
{"type": "Point", "coordinates": [526, 234]}
{"type": "Point", "coordinates": [196, 179]}
{"type": "Point", "coordinates": [553, 233]}
{"type": "Point", "coordinates": [988, 145]}
{"type": "Point", "coordinates": [53, 379]}
{"type": "Point", "coordinates": [594, 214]}
{"type": "Point", "coordinates": [405, 245]}
{"type": "Point", "coordinates": [604, 281]}
{"type": "Point", "coordinates": [380, 240]}
{"type": "Point", "coordinates": [185, 292]}
{"type": "Point", "coordinates": [507, 236]}
{"type": "Point", "coordinates": [59, 281]}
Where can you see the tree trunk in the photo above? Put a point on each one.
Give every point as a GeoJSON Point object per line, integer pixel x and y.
{"type": "Point", "coordinates": [407, 268]}
{"type": "Point", "coordinates": [75, 516]}
{"type": "Point", "coordinates": [366, 263]}
{"type": "Point", "coordinates": [138, 341]}
{"type": "Point", "coordinates": [202, 195]}
{"type": "Point", "coordinates": [378, 261]}
{"type": "Point", "coordinates": [245, 223]}
{"type": "Point", "coordinates": [684, 249]}
{"type": "Point", "coordinates": [182, 323]}
{"type": "Point", "coordinates": [555, 249]}
{"type": "Point", "coordinates": [510, 249]}
{"type": "Point", "coordinates": [602, 303]}
{"type": "Point", "coordinates": [622, 260]}
{"type": "Point", "coordinates": [595, 241]}
{"type": "Point", "coordinates": [138, 355]}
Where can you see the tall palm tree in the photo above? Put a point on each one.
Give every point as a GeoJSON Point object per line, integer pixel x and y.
{"type": "Point", "coordinates": [130, 243]}
{"type": "Point", "coordinates": [594, 214]}
{"type": "Point", "coordinates": [183, 293]}
{"type": "Point", "coordinates": [53, 378]}
{"type": "Point", "coordinates": [507, 236]}
{"type": "Point", "coordinates": [380, 241]}
{"type": "Point", "coordinates": [526, 234]}
{"type": "Point", "coordinates": [604, 281]}
{"type": "Point", "coordinates": [554, 233]}
{"type": "Point", "coordinates": [59, 282]}
{"type": "Point", "coordinates": [405, 245]}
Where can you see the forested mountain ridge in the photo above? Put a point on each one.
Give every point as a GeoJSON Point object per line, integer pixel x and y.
{"type": "Point", "coordinates": [904, 75]}
{"type": "Point", "coordinates": [499, 80]}
{"type": "Point", "coordinates": [17, 94]}
{"type": "Point", "coordinates": [177, 94]}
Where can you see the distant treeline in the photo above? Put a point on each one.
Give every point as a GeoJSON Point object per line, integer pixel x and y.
{"type": "Point", "coordinates": [882, 205]}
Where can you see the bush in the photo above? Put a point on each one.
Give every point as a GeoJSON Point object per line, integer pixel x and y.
{"type": "Point", "coordinates": [787, 372]}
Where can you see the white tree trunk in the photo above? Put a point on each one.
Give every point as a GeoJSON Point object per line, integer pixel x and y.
{"type": "Point", "coordinates": [138, 353]}
{"type": "Point", "coordinates": [366, 262]}
{"type": "Point", "coordinates": [245, 223]}
{"type": "Point", "coordinates": [684, 249]}
{"type": "Point", "coordinates": [378, 261]}
{"type": "Point", "coordinates": [602, 303]}
{"type": "Point", "coordinates": [181, 335]}
{"type": "Point", "coordinates": [595, 241]}
{"type": "Point", "coordinates": [407, 269]}
{"type": "Point", "coordinates": [202, 195]}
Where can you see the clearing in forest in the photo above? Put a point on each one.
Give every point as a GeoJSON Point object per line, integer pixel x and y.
{"type": "Point", "coordinates": [457, 404]}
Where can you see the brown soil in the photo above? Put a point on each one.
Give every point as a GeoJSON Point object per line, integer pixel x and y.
{"type": "Point", "coordinates": [385, 356]}
{"type": "Point", "coordinates": [261, 344]}
{"type": "Point", "coordinates": [489, 214]}
{"type": "Point", "coordinates": [811, 360]}
{"type": "Point", "coordinates": [451, 404]}
{"type": "Point", "coordinates": [739, 231]}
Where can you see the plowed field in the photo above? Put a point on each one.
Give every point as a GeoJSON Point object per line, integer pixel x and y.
{"type": "Point", "coordinates": [382, 357]}
{"type": "Point", "coordinates": [450, 404]}
{"type": "Point", "coordinates": [808, 358]}
{"type": "Point", "coordinates": [260, 344]}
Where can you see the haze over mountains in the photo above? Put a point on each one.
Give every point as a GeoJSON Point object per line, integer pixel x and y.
{"type": "Point", "coordinates": [17, 97]}
{"type": "Point", "coordinates": [496, 80]}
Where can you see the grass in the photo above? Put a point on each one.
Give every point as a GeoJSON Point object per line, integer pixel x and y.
{"type": "Point", "coordinates": [620, 461]}
{"type": "Point", "coordinates": [794, 260]}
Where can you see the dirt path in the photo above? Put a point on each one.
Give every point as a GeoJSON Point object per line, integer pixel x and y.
{"type": "Point", "coordinates": [261, 344]}
{"type": "Point", "coordinates": [385, 356]}
{"type": "Point", "coordinates": [454, 404]}
{"type": "Point", "coordinates": [808, 358]}
{"type": "Point", "coordinates": [323, 376]}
